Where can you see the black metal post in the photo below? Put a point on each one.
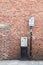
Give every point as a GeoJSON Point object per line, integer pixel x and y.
{"type": "Point", "coordinates": [30, 40]}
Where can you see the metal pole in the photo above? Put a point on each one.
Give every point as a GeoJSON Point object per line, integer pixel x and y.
{"type": "Point", "coordinates": [30, 40]}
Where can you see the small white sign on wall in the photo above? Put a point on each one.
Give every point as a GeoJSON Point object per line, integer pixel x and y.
{"type": "Point", "coordinates": [31, 21]}
{"type": "Point", "coordinates": [2, 25]}
{"type": "Point", "coordinates": [23, 41]}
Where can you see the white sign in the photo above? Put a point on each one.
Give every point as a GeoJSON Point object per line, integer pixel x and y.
{"type": "Point", "coordinates": [31, 21]}
{"type": "Point", "coordinates": [2, 25]}
{"type": "Point", "coordinates": [23, 41]}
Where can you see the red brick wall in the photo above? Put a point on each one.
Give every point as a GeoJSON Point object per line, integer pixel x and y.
{"type": "Point", "coordinates": [16, 13]}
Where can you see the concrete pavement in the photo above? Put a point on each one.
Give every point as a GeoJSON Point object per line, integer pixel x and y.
{"type": "Point", "coordinates": [18, 62]}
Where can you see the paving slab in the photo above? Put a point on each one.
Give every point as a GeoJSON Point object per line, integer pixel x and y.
{"type": "Point", "coordinates": [19, 62]}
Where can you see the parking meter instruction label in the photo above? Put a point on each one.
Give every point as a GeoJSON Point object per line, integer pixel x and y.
{"type": "Point", "coordinates": [23, 41]}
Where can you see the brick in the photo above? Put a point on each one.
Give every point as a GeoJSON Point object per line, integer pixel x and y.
{"type": "Point", "coordinates": [16, 13]}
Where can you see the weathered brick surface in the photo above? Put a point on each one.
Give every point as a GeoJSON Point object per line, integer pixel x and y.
{"type": "Point", "coordinates": [16, 13]}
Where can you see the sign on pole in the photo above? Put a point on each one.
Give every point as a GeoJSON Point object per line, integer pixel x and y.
{"type": "Point", "coordinates": [31, 21]}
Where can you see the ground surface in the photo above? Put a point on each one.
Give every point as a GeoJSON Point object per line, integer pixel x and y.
{"type": "Point", "coordinates": [18, 62]}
